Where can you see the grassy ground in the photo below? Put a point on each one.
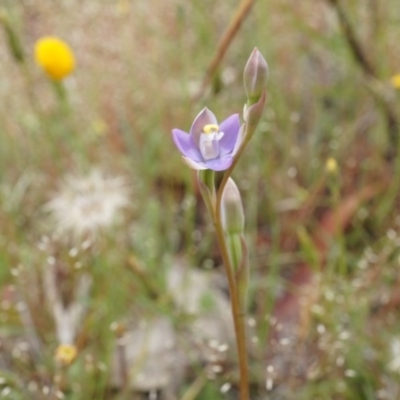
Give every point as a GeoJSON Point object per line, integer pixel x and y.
{"type": "Point", "coordinates": [320, 183]}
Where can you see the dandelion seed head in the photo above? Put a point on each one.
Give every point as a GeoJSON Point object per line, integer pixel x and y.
{"type": "Point", "coordinates": [85, 205]}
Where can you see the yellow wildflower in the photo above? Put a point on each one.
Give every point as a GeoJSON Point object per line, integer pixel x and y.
{"type": "Point", "coordinates": [395, 81]}
{"type": "Point", "coordinates": [331, 165]}
{"type": "Point", "coordinates": [55, 57]}
{"type": "Point", "coordinates": [66, 354]}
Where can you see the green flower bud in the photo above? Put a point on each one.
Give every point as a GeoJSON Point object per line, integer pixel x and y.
{"type": "Point", "coordinates": [255, 76]}
{"type": "Point", "coordinates": [232, 214]}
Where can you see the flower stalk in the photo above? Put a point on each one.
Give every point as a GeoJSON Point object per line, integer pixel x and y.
{"type": "Point", "coordinates": [237, 311]}
{"type": "Point", "coordinates": [208, 148]}
{"type": "Point", "coordinates": [14, 42]}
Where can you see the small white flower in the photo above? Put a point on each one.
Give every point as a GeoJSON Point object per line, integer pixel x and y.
{"type": "Point", "coordinates": [86, 204]}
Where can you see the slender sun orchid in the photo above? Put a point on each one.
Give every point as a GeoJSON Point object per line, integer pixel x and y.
{"type": "Point", "coordinates": [209, 145]}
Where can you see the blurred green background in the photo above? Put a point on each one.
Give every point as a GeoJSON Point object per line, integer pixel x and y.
{"type": "Point", "coordinates": [100, 221]}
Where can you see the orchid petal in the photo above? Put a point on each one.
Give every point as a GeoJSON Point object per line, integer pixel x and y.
{"type": "Point", "coordinates": [184, 142]}
{"type": "Point", "coordinates": [205, 117]}
{"type": "Point", "coordinates": [193, 164]}
{"type": "Point", "coordinates": [219, 164]}
{"type": "Point", "coordinates": [230, 127]}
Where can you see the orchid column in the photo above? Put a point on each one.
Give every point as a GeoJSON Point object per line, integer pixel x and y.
{"type": "Point", "coordinates": [210, 147]}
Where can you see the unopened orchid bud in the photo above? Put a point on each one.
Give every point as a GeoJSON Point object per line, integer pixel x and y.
{"type": "Point", "coordinates": [255, 76]}
{"type": "Point", "coordinates": [232, 214]}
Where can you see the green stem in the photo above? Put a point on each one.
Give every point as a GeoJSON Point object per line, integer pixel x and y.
{"type": "Point", "coordinates": [250, 128]}
{"type": "Point", "coordinates": [238, 316]}
{"type": "Point", "coordinates": [206, 179]}
{"type": "Point", "coordinates": [238, 313]}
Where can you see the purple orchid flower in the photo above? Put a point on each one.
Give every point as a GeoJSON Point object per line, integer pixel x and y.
{"type": "Point", "coordinates": [209, 145]}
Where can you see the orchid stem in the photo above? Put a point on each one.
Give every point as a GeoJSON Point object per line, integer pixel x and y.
{"type": "Point", "coordinates": [237, 309]}
{"type": "Point", "coordinates": [237, 314]}
{"type": "Point", "coordinates": [213, 203]}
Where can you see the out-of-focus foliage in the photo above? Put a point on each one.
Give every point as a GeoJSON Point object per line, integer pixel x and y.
{"type": "Point", "coordinates": [100, 221]}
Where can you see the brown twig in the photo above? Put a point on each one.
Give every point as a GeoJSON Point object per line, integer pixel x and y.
{"type": "Point", "coordinates": [227, 38]}
{"type": "Point", "coordinates": [354, 44]}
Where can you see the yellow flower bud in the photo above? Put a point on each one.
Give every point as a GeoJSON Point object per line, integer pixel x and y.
{"type": "Point", "coordinates": [55, 57]}
{"type": "Point", "coordinates": [66, 354]}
